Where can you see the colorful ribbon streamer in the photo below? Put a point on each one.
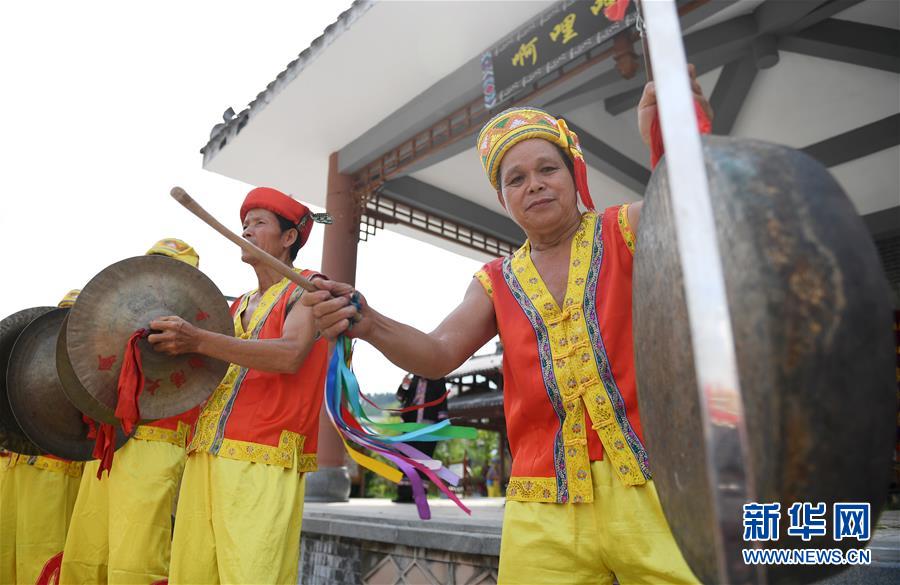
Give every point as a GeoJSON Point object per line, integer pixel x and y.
{"type": "Point", "coordinates": [389, 440]}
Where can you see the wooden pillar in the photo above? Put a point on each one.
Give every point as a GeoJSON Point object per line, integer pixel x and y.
{"type": "Point", "coordinates": [332, 482]}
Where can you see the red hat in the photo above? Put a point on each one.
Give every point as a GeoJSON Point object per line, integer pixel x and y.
{"type": "Point", "coordinates": [284, 205]}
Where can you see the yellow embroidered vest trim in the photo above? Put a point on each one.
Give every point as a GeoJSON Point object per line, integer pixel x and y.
{"type": "Point", "coordinates": [290, 446]}
{"type": "Point", "coordinates": [70, 468]}
{"type": "Point", "coordinates": [209, 434]}
{"type": "Point", "coordinates": [625, 228]}
{"type": "Point", "coordinates": [485, 281]}
{"type": "Point", "coordinates": [531, 489]}
{"type": "Point", "coordinates": [177, 437]}
{"type": "Point", "coordinates": [570, 369]}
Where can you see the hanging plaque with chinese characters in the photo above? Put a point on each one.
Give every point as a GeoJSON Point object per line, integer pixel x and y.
{"type": "Point", "coordinates": [561, 34]}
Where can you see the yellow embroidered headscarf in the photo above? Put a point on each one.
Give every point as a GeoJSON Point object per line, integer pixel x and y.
{"type": "Point", "coordinates": [174, 248]}
{"type": "Point", "coordinates": [514, 125]}
{"type": "Point", "coordinates": [69, 300]}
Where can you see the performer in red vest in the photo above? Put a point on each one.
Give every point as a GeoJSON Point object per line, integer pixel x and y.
{"type": "Point", "coordinates": [241, 499]}
{"type": "Point", "coordinates": [582, 507]}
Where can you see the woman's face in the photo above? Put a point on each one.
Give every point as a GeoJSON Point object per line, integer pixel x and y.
{"type": "Point", "coordinates": [536, 187]}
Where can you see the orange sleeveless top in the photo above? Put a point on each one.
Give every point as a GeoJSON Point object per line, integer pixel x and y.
{"type": "Point", "coordinates": [568, 372]}
{"type": "Point", "coordinates": [266, 417]}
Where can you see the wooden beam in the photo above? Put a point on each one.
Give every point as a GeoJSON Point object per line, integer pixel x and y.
{"type": "Point", "coordinates": [704, 63]}
{"type": "Point", "coordinates": [857, 143]}
{"type": "Point", "coordinates": [775, 15]}
{"type": "Point", "coordinates": [867, 45]}
{"type": "Point", "coordinates": [731, 90]}
{"type": "Point", "coordinates": [609, 161]}
{"type": "Point", "coordinates": [824, 11]}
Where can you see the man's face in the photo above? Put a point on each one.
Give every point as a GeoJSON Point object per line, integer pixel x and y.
{"type": "Point", "coordinates": [261, 228]}
{"type": "Point", "coordinates": [536, 186]}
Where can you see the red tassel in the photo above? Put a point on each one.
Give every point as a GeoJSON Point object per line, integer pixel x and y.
{"type": "Point", "coordinates": [104, 436]}
{"type": "Point", "coordinates": [131, 383]}
{"type": "Point", "coordinates": [581, 183]}
{"type": "Point", "coordinates": [104, 448]}
{"type": "Point", "coordinates": [657, 148]}
{"type": "Point", "coordinates": [50, 573]}
{"type": "Point", "coordinates": [616, 11]}
{"type": "Point", "coordinates": [92, 426]}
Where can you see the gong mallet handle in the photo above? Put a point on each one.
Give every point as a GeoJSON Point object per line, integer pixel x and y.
{"type": "Point", "coordinates": [181, 196]}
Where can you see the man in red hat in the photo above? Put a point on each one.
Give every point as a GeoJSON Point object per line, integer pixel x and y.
{"type": "Point", "coordinates": [241, 499]}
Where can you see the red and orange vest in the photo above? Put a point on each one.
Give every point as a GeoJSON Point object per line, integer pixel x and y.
{"type": "Point", "coordinates": [569, 381]}
{"type": "Point", "coordinates": [266, 417]}
{"type": "Point", "coordinates": [174, 429]}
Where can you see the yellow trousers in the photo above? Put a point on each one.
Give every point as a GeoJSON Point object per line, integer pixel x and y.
{"type": "Point", "coordinates": [121, 528]}
{"type": "Point", "coordinates": [622, 535]}
{"type": "Point", "coordinates": [35, 507]}
{"type": "Point", "coordinates": [238, 522]}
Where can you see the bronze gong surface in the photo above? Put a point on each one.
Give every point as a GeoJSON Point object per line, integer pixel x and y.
{"type": "Point", "coordinates": [811, 315]}
{"type": "Point", "coordinates": [36, 395]}
{"type": "Point", "coordinates": [12, 437]}
{"type": "Point", "coordinates": [123, 298]}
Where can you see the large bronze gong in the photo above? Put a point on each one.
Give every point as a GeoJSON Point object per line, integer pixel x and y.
{"type": "Point", "coordinates": [812, 319]}
{"type": "Point", "coordinates": [121, 299]}
{"type": "Point", "coordinates": [12, 437]}
{"type": "Point", "coordinates": [36, 395]}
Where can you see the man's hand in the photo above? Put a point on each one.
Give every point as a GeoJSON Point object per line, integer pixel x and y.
{"type": "Point", "coordinates": [647, 105]}
{"type": "Point", "coordinates": [176, 336]}
{"type": "Point", "coordinates": [333, 311]}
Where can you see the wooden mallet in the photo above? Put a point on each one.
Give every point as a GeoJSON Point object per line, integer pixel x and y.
{"type": "Point", "coordinates": [181, 196]}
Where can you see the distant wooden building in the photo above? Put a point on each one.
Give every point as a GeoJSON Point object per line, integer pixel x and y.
{"type": "Point", "coordinates": [476, 398]}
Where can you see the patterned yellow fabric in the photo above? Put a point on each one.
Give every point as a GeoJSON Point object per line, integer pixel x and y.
{"type": "Point", "coordinates": [122, 523]}
{"type": "Point", "coordinates": [237, 523]}
{"type": "Point", "coordinates": [70, 468]}
{"type": "Point", "coordinates": [35, 508]}
{"type": "Point", "coordinates": [623, 535]}
{"type": "Point", "coordinates": [69, 300]}
{"type": "Point", "coordinates": [290, 444]}
{"type": "Point", "coordinates": [485, 281]}
{"type": "Point", "coordinates": [531, 489]}
{"type": "Point", "coordinates": [625, 228]}
{"type": "Point", "coordinates": [177, 249]}
{"type": "Point", "coordinates": [514, 125]}
{"type": "Point", "coordinates": [176, 437]}
{"type": "Point", "coordinates": [577, 377]}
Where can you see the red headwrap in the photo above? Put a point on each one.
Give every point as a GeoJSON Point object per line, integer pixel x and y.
{"type": "Point", "coordinates": [280, 204]}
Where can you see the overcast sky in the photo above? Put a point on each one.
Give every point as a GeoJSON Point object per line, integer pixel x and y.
{"type": "Point", "coordinates": [105, 106]}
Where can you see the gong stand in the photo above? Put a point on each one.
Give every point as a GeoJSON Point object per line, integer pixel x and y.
{"type": "Point", "coordinates": [708, 315]}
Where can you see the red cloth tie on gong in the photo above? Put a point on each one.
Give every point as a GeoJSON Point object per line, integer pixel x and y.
{"type": "Point", "coordinates": [104, 436]}
{"type": "Point", "coordinates": [131, 383]}
{"type": "Point", "coordinates": [657, 148]}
